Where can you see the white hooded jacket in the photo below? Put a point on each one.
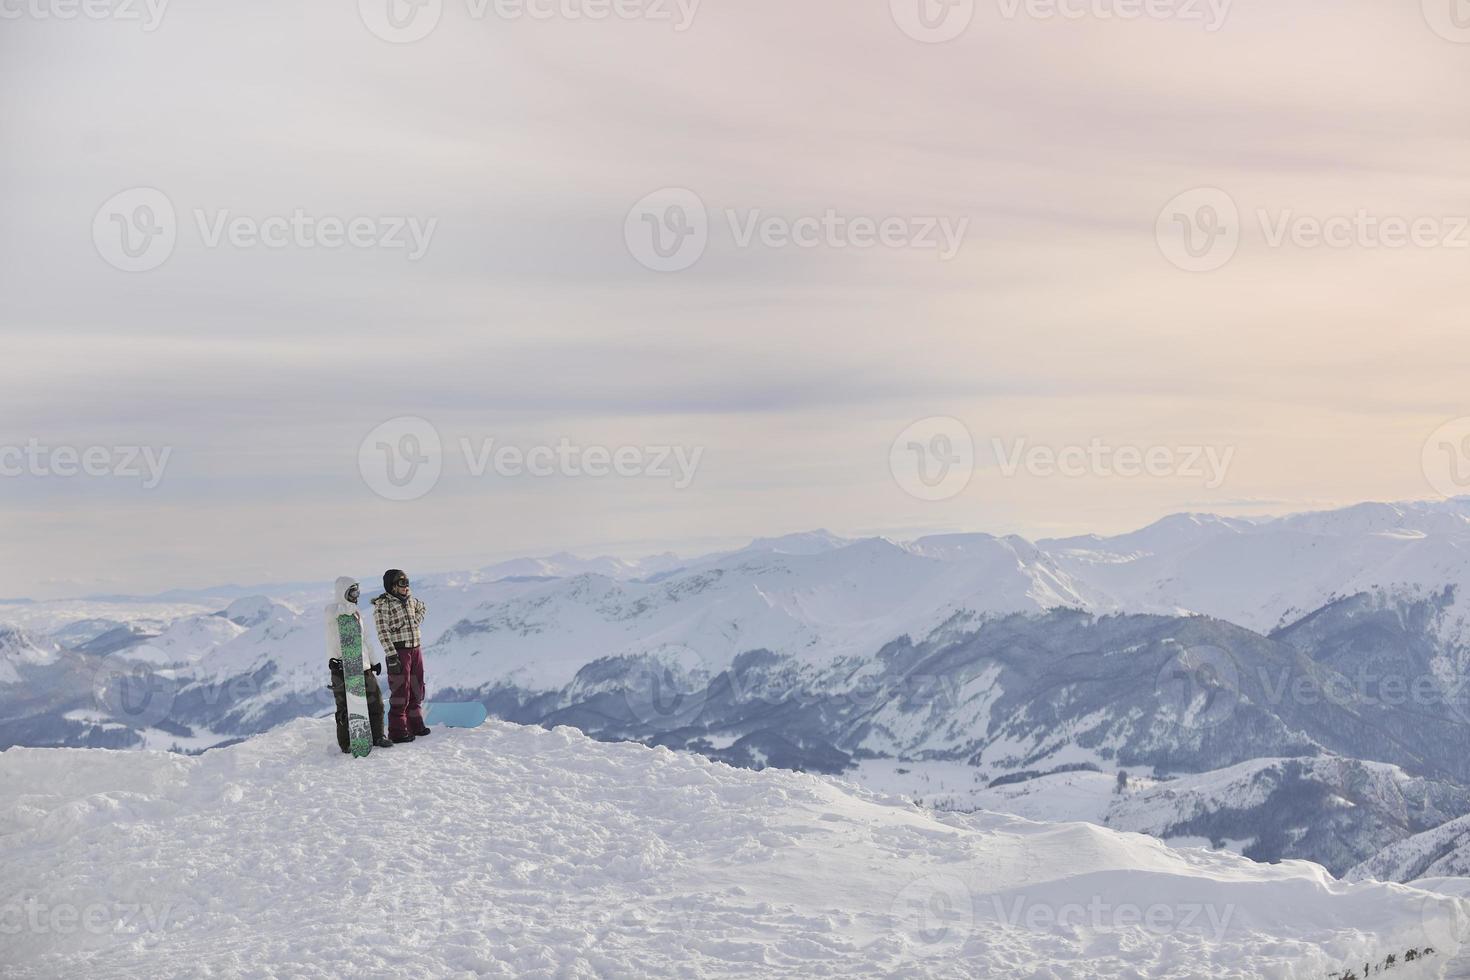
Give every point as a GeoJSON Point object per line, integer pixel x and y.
{"type": "Point", "coordinates": [342, 607]}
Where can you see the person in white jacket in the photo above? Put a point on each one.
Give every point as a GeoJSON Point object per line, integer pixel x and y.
{"type": "Point", "coordinates": [345, 604]}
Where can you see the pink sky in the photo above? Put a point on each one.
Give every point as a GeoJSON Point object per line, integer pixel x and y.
{"type": "Point", "coordinates": [1060, 321]}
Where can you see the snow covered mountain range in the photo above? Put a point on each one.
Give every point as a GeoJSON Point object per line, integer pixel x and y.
{"type": "Point", "coordinates": [1335, 811]}
{"type": "Point", "coordinates": [1195, 645]}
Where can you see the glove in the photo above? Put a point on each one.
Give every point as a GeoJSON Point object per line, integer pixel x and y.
{"type": "Point", "coordinates": [378, 669]}
{"type": "Point", "coordinates": [335, 665]}
{"type": "Point", "coordinates": [395, 666]}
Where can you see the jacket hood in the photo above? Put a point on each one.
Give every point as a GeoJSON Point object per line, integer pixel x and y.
{"type": "Point", "coordinates": [339, 592]}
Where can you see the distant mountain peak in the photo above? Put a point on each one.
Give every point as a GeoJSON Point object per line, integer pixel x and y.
{"type": "Point", "coordinates": [800, 543]}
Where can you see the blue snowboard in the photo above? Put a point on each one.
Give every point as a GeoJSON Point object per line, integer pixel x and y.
{"type": "Point", "coordinates": [455, 714]}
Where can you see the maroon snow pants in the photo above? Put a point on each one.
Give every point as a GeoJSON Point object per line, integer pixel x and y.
{"type": "Point", "coordinates": [406, 693]}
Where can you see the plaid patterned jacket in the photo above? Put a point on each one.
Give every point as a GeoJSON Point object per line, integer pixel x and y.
{"type": "Point", "coordinates": [398, 622]}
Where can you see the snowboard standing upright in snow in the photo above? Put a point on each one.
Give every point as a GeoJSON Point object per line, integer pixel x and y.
{"type": "Point", "coordinates": [354, 667]}
{"type": "Point", "coordinates": [398, 616]}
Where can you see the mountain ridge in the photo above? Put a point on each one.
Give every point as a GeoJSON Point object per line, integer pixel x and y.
{"type": "Point", "coordinates": [812, 651]}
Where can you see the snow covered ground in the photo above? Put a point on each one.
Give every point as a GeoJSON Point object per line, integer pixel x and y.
{"type": "Point", "coordinates": [520, 852]}
{"type": "Point", "coordinates": [1350, 815]}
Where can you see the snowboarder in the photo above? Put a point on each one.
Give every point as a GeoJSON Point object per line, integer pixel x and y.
{"type": "Point", "coordinates": [345, 604]}
{"type": "Point", "coordinates": [398, 615]}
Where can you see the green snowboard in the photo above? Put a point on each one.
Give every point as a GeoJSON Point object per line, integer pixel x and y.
{"type": "Point", "coordinates": [359, 730]}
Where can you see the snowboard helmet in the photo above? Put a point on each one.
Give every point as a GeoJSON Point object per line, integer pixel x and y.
{"type": "Point", "coordinates": [392, 577]}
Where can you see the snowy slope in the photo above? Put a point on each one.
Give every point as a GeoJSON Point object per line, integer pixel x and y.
{"type": "Point", "coordinates": [520, 852]}
{"type": "Point", "coordinates": [844, 601]}
{"type": "Point", "coordinates": [186, 640]}
{"type": "Point", "coordinates": [56, 616]}
{"type": "Point", "coordinates": [1262, 574]}
{"type": "Point", "coordinates": [1442, 851]}
{"type": "Point", "coordinates": [20, 649]}
{"type": "Point", "coordinates": [1334, 811]}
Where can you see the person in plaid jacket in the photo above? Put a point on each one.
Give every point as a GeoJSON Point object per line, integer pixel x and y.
{"type": "Point", "coordinates": [397, 615]}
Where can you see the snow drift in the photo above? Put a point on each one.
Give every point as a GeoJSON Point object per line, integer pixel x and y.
{"type": "Point", "coordinates": [520, 852]}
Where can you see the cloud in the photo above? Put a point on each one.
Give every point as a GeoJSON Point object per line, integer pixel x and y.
{"type": "Point", "coordinates": [528, 318]}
